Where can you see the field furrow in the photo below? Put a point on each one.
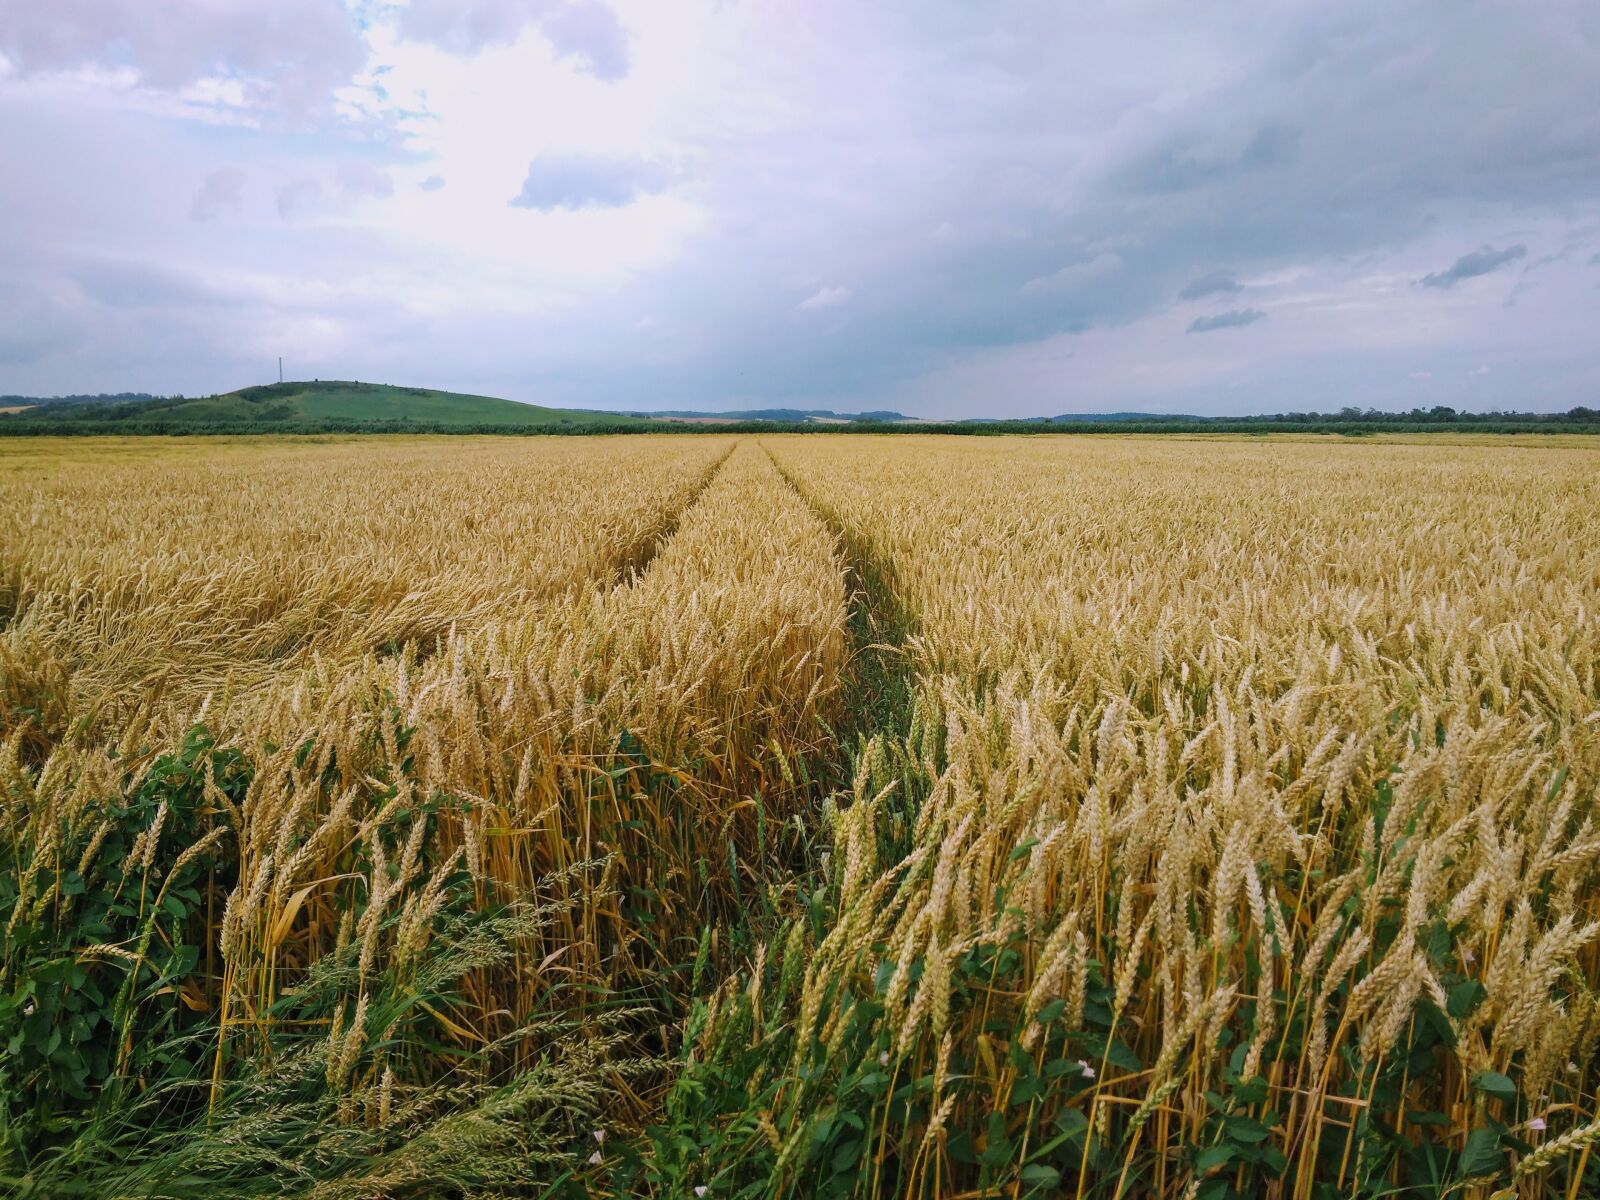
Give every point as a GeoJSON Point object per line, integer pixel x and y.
{"type": "Point", "coordinates": [545, 823]}
{"type": "Point", "coordinates": [1257, 790]}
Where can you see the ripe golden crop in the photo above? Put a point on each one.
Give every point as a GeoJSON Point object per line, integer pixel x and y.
{"type": "Point", "coordinates": [1291, 750]}
{"type": "Point", "coordinates": [869, 815]}
{"type": "Point", "coordinates": [175, 572]}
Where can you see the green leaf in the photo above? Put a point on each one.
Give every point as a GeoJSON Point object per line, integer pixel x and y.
{"type": "Point", "coordinates": [1072, 1121]}
{"type": "Point", "coordinates": [873, 1083]}
{"type": "Point", "coordinates": [1213, 1157]}
{"type": "Point", "coordinates": [1025, 1092]}
{"type": "Point", "coordinates": [1253, 1091]}
{"type": "Point", "coordinates": [1465, 998]}
{"type": "Point", "coordinates": [1555, 785]}
{"type": "Point", "coordinates": [998, 1150]}
{"type": "Point", "coordinates": [846, 1155]}
{"type": "Point", "coordinates": [1438, 943]}
{"type": "Point", "coordinates": [1246, 1129]}
{"type": "Point", "coordinates": [1120, 1054]}
{"type": "Point", "coordinates": [1428, 1118]}
{"type": "Point", "coordinates": [1495, 1084]}
{"type": "Point", "coordinates": [1482, 1155]}
{"type": "Point", "coordinates": [1051, 1012]}
{"type": "Point", "coordinates": [1040, 1175]}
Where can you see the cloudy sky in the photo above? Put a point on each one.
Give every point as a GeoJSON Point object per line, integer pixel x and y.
{"type": "Point", "coordinates": [1008, 208]}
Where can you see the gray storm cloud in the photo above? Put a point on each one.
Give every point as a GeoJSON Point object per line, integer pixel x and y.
{"type": "Point", "coordinates": [1213, 284]}
{"type": "Point", "coordinates": [1232, 319]}
{"type": "Point", "coordinates": [1470, 266]}
{"type": "Point", "coordinates": [901, 204]}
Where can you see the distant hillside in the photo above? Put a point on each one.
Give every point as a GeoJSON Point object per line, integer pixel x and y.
{"type": "Point", "coordinates": [790, 415]}
{"type": "Point", "coordinates": [18, 403]}
{"type": "Point", "coordinates": [338, 407]}
{"type": "Point", "coordinates": [1123, 416]}
{"type": "Point", "coordinates": [324, 402]}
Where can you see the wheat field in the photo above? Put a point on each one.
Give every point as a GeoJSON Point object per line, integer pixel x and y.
{"type": "Point", "coordinates": [800, 815]}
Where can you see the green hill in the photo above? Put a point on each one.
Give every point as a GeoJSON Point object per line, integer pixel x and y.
{"type": "Point", "coordinates": [325, 403]}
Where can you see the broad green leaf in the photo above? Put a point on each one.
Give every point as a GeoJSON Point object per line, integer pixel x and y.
{"type": "Point", "coordinates": [1495, 1084]}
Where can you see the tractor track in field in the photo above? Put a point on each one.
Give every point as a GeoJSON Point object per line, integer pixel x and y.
{"type": "Point", "coordinates": [644, 551]}
{"type": "Point", "coordinates": [880, 689]}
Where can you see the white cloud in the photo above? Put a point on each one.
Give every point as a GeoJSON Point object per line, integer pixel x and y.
{"type": "Point", "coordinates": [825, 297]}
{"type": "Point", "coordinates": [586, 31]}
{"type": "Point", "coordinates": [360, 180]}
{"type": "Point", "coordinates": [574, 182]}
{"type": "Point", "coordinates": [295, 196]}
{"type": "Point", "coordinates": [222, 190]}
{"type": "Point", "coordinates": [288, 55]}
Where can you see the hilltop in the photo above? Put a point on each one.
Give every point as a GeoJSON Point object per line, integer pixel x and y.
{"type": "Point", "coordinates": [791, 416]}
{"type": "Point", "coordinates": [332, 403]}
{"type": "Point", "coordinates": [1111, 417]}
